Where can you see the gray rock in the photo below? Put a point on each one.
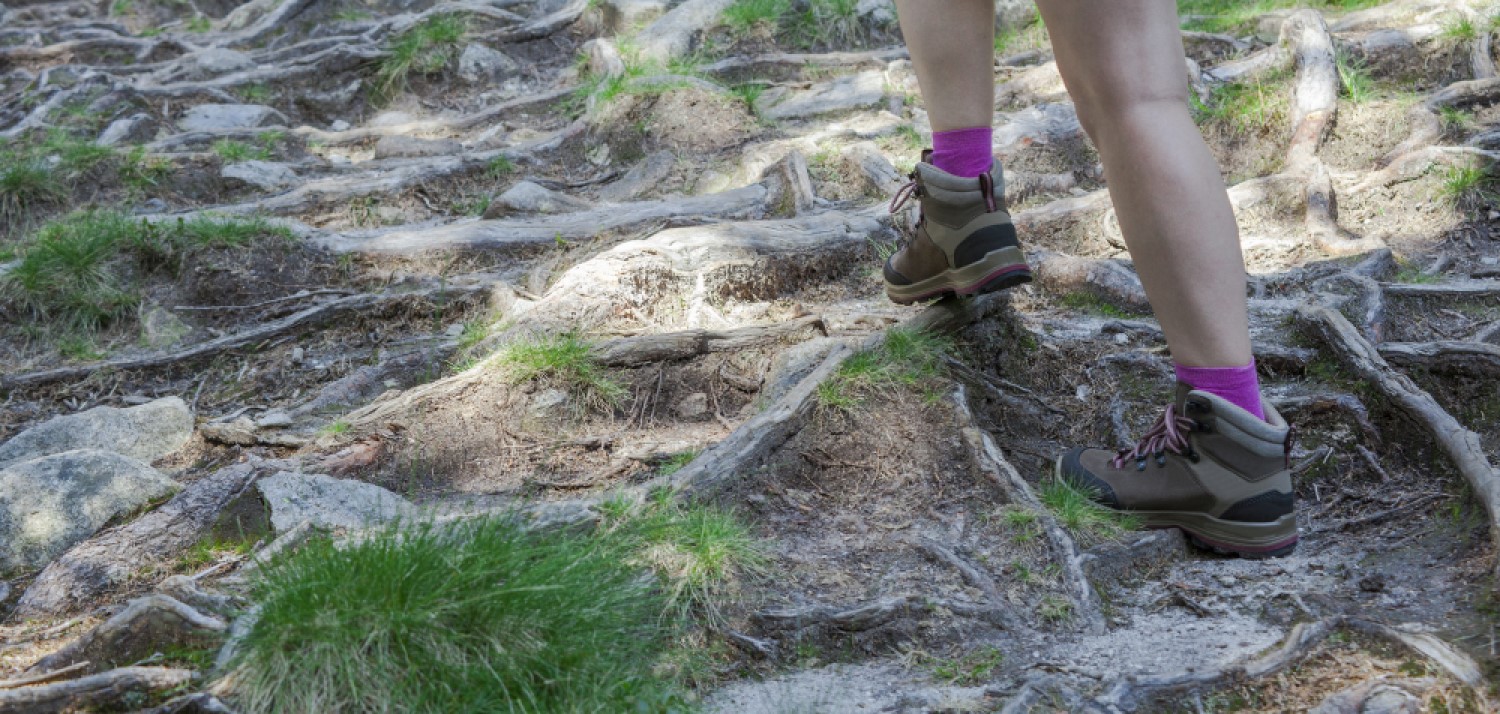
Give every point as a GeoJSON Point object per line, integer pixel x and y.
{"type": "Point", "coordinates": [880, 12]}
{"type": "Point", "coordinates": [528, 197]}
{"type": "Point", "coordinates": [133, 129]}
{"type": "Point", "coordinates": [549, 401]}
{"type": "Point", "coordinates": [479, 64]}
{"type": "Point", "coordinates": [222, 117]}
{"type": "Point", "coordinates": [692, 406]}
{"type": "Point", "coordinates": [1014, 14]}
{"type": "Point", "coordinates": [48, 504]}
{"type": "Point", "coordinates": [216, 61]}
{"type": "Point", "coordinates": [340, 125]}
{"type": "Point", "coordinates": [675, 33]}
{"type": "Point", "coordinates": [641, 179]}
{"type": "Point", "coordinates": [329, 105]}
{"type": "Point", "coordinates": [161, 328]}
{"type": "Point", "coordinates": [147, 432]}
{"type": "Point", "coordinates": [857, 91]}
{"type": "Point", "coordinates": [622, 16]}
{"type": "Point", "coordinates": [328, 503]}
{"type": "Point", "coordinates": [393, 147]}
{"type": "Point", "coordinates": [264, 175]}
{"type": "Point", "coordinates": [604, 58]}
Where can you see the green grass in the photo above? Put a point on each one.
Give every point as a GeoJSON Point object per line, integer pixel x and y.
{"type": "Point", "coordinates": [77, 269]}
{"type": "Point", "coordinates": [1456, 120]}
{"type": "Point", "coordinates": [141, 173]}
{"type": "Point", "coordinates": [702, 554]}
{"type": "Point", "coordinates": [824, 22]}
{"type": "Point", "coordinates": [351, 15]}
{"type": "Point", "coordinates": [232, 151]}
{"type": "Point", "coordinates": [424, 49]}
{"type": "Point", "coordinates": [75, 156]}
{"type": "Point", "coordinates": [199, 23]}
{"type": "Point", "coordinates": [256, 94]}
{"type": "Point", "coordinates": [499, 167]}
{"type": "Point", "coordinates": [905, 359]}
{"type": "Point", "coordinates": [1461, 29]}
{"type": "Point", "coordinates": [564, 362]}
{"type": "Point", "coordinates": [1055, 610]}
{"type": "Point", "coordinates": [1466, 187]}
{"type": "Point", "coordinates": [1087, 521]}
{"type": "Point", "coordinates": [1091, 303]}
{"type": "Point", "coordinates": [1412, 273]}
{"type": "Point", "coordinates": [971, 669]}
{"type": "Point", "coordinates": [210, 550]}
{"type": "Point", "coordinates": [746, 15]}
{"type": "Point", "coordinates": [77, 347]}
{"type": "Point", "coordinates": [1241, 16]}
{"type": "Point", "coordinates": [493, 618]}
{"type": "Point", "coordinates": [1247, 107]}
{"type": "Point", "coordinates": [675, 463]}
{"type": "Point", "coordinates": [338, 427]}
{"type": "Point", "coordinates": [27, 183]}
{"type": "Point", "coordinates": [1354, 78]}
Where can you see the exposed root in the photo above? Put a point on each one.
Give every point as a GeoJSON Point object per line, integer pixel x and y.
{"type": "Point", "coordinates": [371, 303]}
{"type": "Point", "coordinates": [1471, 358]}
{"type": "Point", "coordinates": [1459, 289]}
{"type": "Point", "coordinates": [1458, 442]}
{"type": "Point", "coordinates": [672, 346]}
{"type": "Point", "coordinates": [992, 463]}
{"type": "Point", "coordinates": [861, 618]}
{"type": "Point", "coordinates": [1108, 280]}
{"type": "Point", "coordinates": [95, 690]}
{"type": "Point", "coordinates": [873, 58]}
{"type": "Point", "coordinates": [145, 626]}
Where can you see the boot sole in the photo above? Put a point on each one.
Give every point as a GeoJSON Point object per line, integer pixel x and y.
{"type": "Point", "coordinates": [1240, 538]}
{"type": "Point", "coordinates": [998, 270]}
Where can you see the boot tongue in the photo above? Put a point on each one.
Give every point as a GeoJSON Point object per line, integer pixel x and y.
{"type": "Point", "coordinates": [1183, 389]}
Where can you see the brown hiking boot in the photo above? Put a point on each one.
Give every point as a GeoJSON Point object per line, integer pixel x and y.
{"type": "Point", "coordinates": [964, 242]}
{"type": "Point", "coordinates": [1208, 467]}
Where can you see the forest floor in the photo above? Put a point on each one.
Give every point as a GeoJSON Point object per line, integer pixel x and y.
{"type": "Point", "coordinates": [508, 254]}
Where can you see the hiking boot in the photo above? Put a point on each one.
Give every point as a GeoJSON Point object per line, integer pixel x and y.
{"type": "Point", "coordinates": [964, 242]}
{"type": "Point", "coordinates": [1208, 467]}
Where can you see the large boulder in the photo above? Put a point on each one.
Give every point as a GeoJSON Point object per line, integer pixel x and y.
{"type": "Point", "coordinates": [146, 432]}
{"type": "Point", "coordinates": [481, 65]}
{"type": "Point", "coordinates": [50, 503]}
{"type": "Point", "coordinates": [224, 117]}
{"type": "Point", "coordinates": [264, 175]}
{"type": "Point", "coordinates": [328, 503]}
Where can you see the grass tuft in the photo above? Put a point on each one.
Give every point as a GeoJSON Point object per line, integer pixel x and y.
{"type": "Point", "coordinates": [907, 358]}
{"type": "Point", "coordinates": [747, 15]}
{"type": "Point", "coordinates": [27, 182]}
{"type": "Point", "coordinates": [1247, 107]}
{"type": "Point", "coordinates": [1465, 188]}
{"type": "Point", "coordinates": [971, 669]}
{"type": "Point", "coordinates": [493, 617]}
{"type": "Point", "coordinates": [1087, 521]}
{"type": "Point", "coordinates": [233, 152]}
{"type": "Point", "coordinates": [565, 362]}
{"type": "Point", "coordinates": [1354, 78]}
{"type": "Point", "coordinates": [423, 49]}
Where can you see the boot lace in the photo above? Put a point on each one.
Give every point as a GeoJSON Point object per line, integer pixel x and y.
{"type": "Point", "coordinates": [1169, 433]}
{"type": "Point", "coordinates": [905, 193]}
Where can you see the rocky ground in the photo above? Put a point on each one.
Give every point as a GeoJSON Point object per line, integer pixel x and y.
{"type": "Point", "coordinates": [697, 199]}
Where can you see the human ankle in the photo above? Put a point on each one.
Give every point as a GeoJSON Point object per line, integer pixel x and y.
{"type": "Point", "coordinates": [1239, 386]}
{"type": "Point", "coordinates": [965, 153]}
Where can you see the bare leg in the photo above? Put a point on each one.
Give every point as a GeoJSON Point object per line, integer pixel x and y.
{"type": "Point", "coordinates": [952, 45]}
{"type": "Point", "coordinates": [1122, 62]}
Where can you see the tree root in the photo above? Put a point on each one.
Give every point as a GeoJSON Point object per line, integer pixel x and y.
{"type": "Point", "coordinates": [673, 346]}
{"type": "Point", "coordinates": [1457, 289]}
{"type": "Point", "coordinates": [95, 690]}
{"type": "Point", "coordinates": [1470, 358]}
{"type": "Point", "coordinates": [1461, 445]}
{"type": "Point", "coordinates": [862, 618]}
{"type": "Point", "coordinates": [368, 303]}
{"type": "Point", "coordinates": [992, 463]}
{"type": "Point", "coordinates": [878, 58]}
{"type": "Point", "coordinates": [149, 624]}
{"type": "Point", "coordinates": [1298, 408]}
{"type": "Point", "coordinates": [103, 562]}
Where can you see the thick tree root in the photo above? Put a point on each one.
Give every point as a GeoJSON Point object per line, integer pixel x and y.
{"type": "Point", "coordinates": [95, 690]}
{"type": "Point", "coordinates": [1470, 358]}
{"type": "Point", "coordinates": [146, 625]}
{"type": "Point", "coordinates": [1459, 443]}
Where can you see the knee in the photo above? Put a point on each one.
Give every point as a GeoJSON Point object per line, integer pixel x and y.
{"type": "Point", "coordinates": [1126, 103]}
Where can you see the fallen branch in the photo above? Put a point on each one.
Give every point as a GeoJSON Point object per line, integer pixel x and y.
{"type": "Point", "coordinates": [95, 690]}
{"type": "Point", "coordinates": [309, 317]}
{"type": "Point", "coordinates": [1462, 446]}
{"type": "Point", "coordinates": [1457, 289]}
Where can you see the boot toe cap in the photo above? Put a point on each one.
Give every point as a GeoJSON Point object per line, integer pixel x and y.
{"type": "Point", "coordinates": [1070, 467]}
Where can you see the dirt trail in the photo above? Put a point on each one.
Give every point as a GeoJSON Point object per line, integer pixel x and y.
{"type": "Point", "coordinates": [705, 207]}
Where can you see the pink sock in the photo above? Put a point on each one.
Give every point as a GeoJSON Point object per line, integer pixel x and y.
{"type": "Point", "coordinates": [965, 153]}
{"type": "Point", "coordinates": [1237, 385]}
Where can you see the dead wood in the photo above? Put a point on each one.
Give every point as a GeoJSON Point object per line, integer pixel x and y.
{"type": "Point", "coordinates": [1457, 289]}
{"type": "Point", "coordinates": [1470, 358]}
{"type": "Point", "coordinates": [514, 233]}
{"type": "Point", "coordinates": [44, 676]}
{"type": "Point", "coordinates": [877, 58]}
{"type": "Point", "coordinates": [862, 618]}
{"type": "Point", "coordinates": [149, 624]}
{"type": "Point", "coordinates": [992, 463]}
{"type": "Point", "coordinates": [95, 690]}
{"type": "Point", "coordinates": [434, 127]}
{"type": "Point", "coordinates": [1316, 94]}
{"type": "Point", "coordinates": [368, 303]}
{"type": "Point", "coordinates": [672, 346]}
{"type": "Point", "coordinates": [109, 559]}
{"type": "Point", "coordinates": [1462, 446]}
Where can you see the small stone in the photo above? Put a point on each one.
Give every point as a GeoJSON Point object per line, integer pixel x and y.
{"type": "Point", "coordinates": [264, 175]}
{"type": "Point", "coordinates": [547, 401]}
{"type": "Point", "coordinates": [133, 129]}
{"type": "Point", "coordinates": [1082, 392]}
{"type": "Point", "coordinates": [391, 119]}
{"type": "Point", "coordinates": [692, 406]}
{"type": "Point", "coordinates": [641, 178]}
{"type": "Point", "coordinates": [147, 432]}
{"type": "Point", "coordinates": [603, 58]}
{"type": "Point", "coordinates": [1228, 581]}
{"type": "Point", "coordinates": [1373, 583]}
{"type": "Point", "coordinates": [454, 330]}
{"type": "Point", "coordinates": [216, 61]}
{"type": "Point", "coordinates": [160, 327]}
{"type": "Point", "coordinates": [479, 64]}
{"type": "Point", "coordinates": [222, 117]}
{"type": "Point", "coordinates": [274, 419]}
{"type": "Point", "coordinates": [528, 197]}
{"type": "Point", "coordinates": [1121, 338]}
{"type": "Point", "coordinates": [340, 125]}
{"type": "Point", "coordinates": [298, 354]}
{"type": "Point", "coordinates": [406, 147]}
{"type": "Point", "coordinates": [327, 502]}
